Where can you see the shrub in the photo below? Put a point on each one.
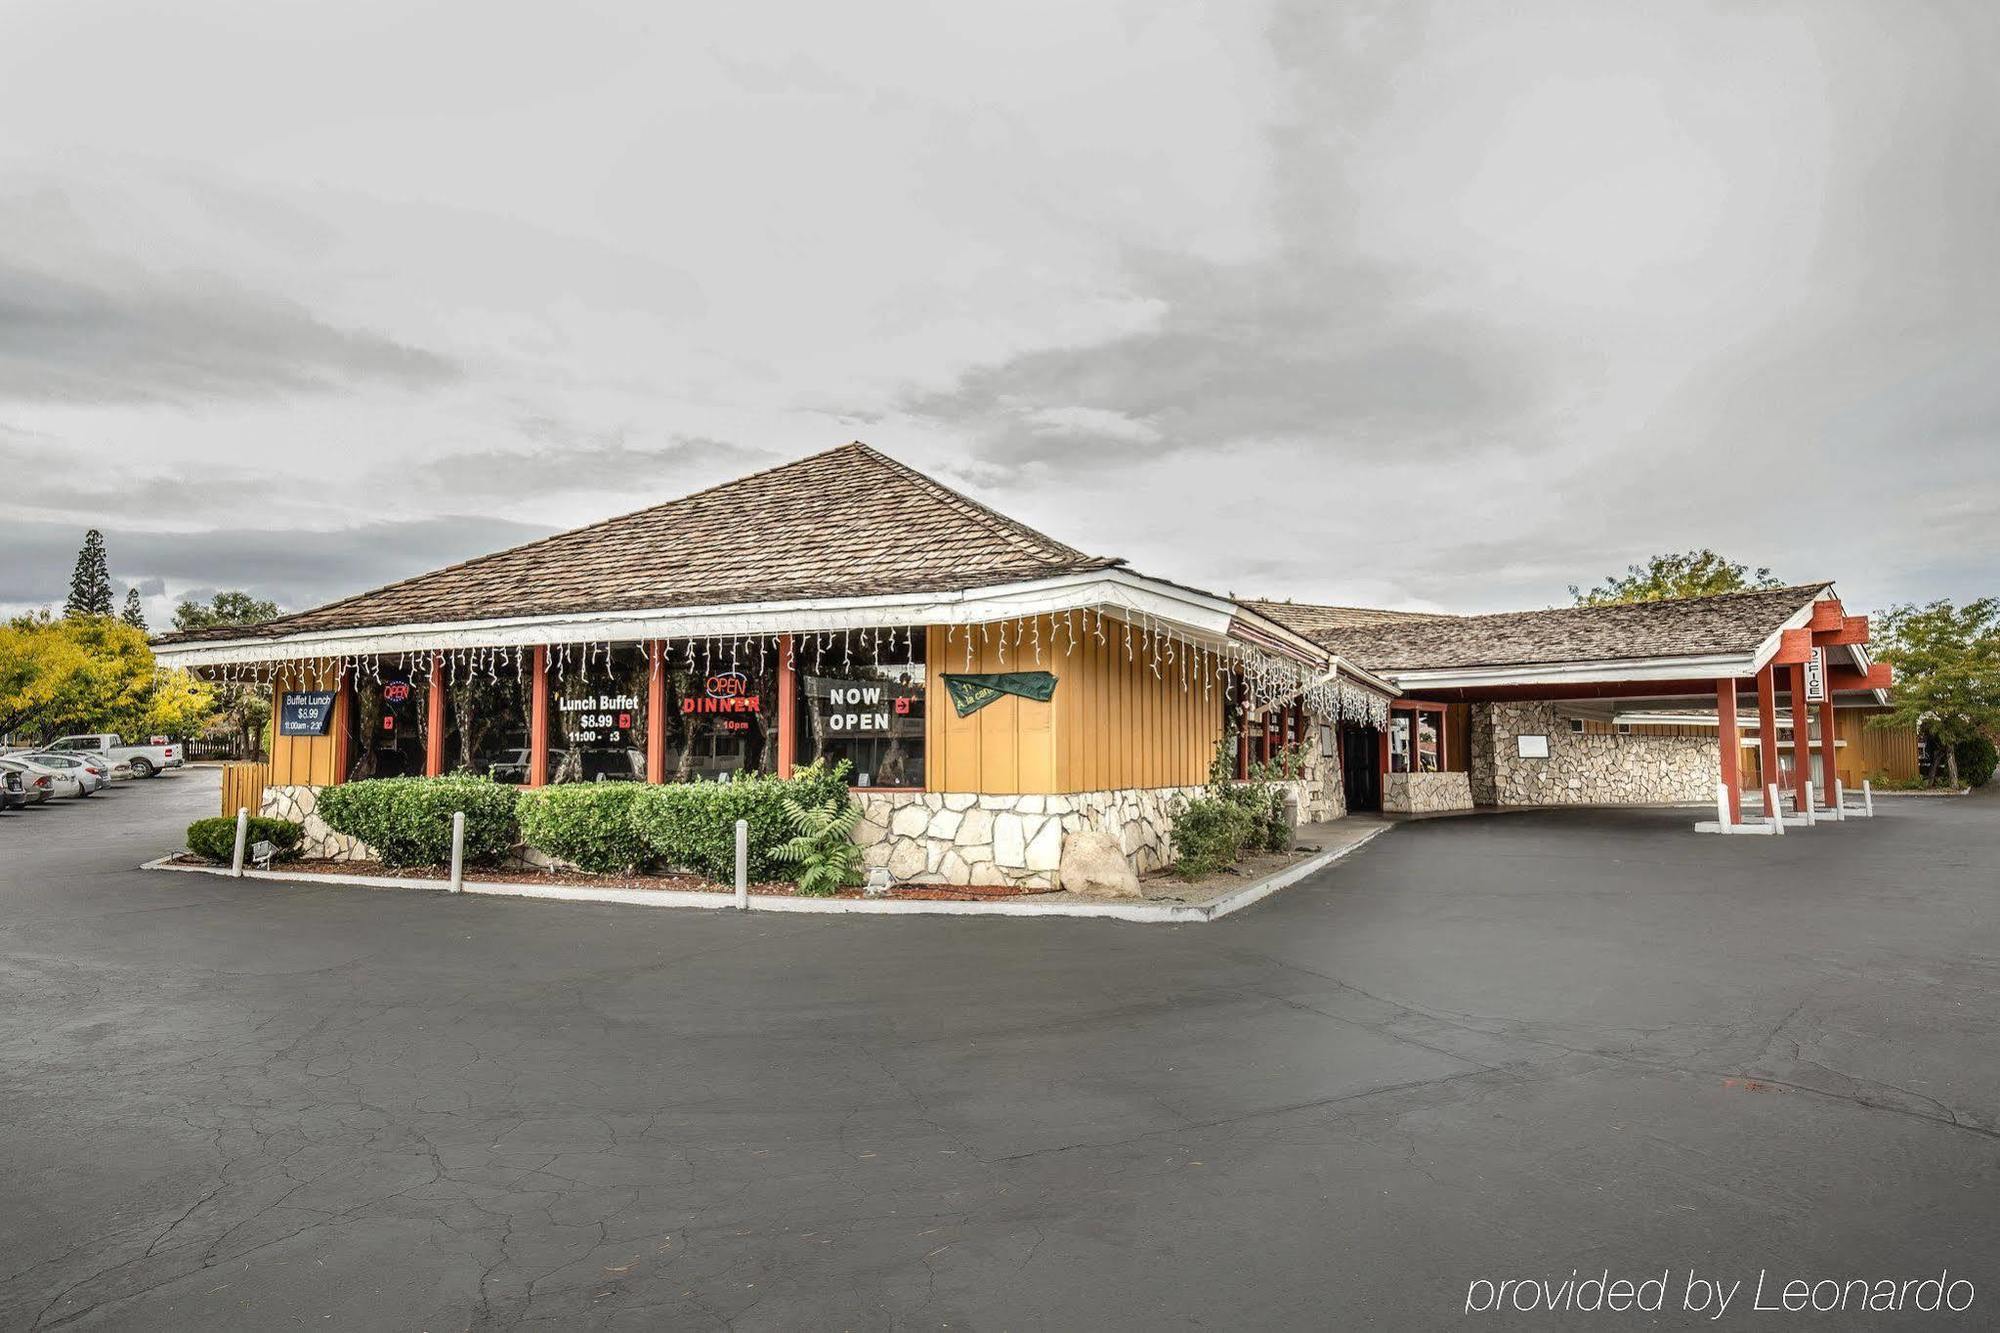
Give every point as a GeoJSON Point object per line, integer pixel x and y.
{"type": "Point", "coordinates": [692, 825]}
{"type": "Point", "coordinates": [1976, 761]}
{"type": "Point", "coordinates": [1263, 807]}
{"type": "Point", "coordinates": [1209, 834]}
{"type": "Point", "coordinates": [216, 838]}
{"type": "Point", "coordinates": [589, 824]}
{"type": "Point", "coordinates": [824, 849]}
{"type": "Point", "coordinates": [407, 821]}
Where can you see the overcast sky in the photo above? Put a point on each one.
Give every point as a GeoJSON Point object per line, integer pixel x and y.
{"type": "Point", "coordinates": [1421, 305]}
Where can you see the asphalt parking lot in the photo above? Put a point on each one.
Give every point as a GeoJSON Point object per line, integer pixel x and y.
{"type": "Point", "coordinates": [1495, 1047]}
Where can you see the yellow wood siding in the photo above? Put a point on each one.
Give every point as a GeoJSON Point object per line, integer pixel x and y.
{"type": "Point", "coordinates": [1007, 747]}
{"type": "Point", "coordinates": [301, 761]}
{"type": "Point", "coordinates": [1112, 723]}
{"type": "Point", "coordinates": [243, 787]}
{"type": "Point", "coordinates": [1118, 725]}
{"type": "Point", "coordinates": [1872, 752]}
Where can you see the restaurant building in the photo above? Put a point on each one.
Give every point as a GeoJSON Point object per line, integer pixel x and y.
{"type": "Point", "coordinates": [994, 691]}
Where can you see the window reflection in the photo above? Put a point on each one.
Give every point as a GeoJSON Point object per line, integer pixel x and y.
{"type": "Point", "coordinates": [861, 698]}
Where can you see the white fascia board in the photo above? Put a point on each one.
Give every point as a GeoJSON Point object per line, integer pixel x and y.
{"type": "Point", "coordinates": [1799, 619]}
{"type": "Point", "coordinates": [1362, 676]}
{"type": "Point", "coordinates": [1116, 592]}
{"type": "Point", "coordinates": [1607, 671]}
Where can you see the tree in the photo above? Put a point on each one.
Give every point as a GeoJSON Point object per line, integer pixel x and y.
{"type": "Point", "coordinates": [91, 673]}
{"type": "Point", "coordinates": [135, 615]}
{"type": "Point", "coordinates": [223, 610]}
{"type": "Point", "coordinates": [1947, 661]}
{"type": "Point", "coordinates": [90, 581]}
{"type": "Point", "coordinates": [1700, 573]}
{"type": "Point", "coordinates": [244, 708]}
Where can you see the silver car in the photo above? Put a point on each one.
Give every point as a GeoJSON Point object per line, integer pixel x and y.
{"type": "Point", "coordinates": [90, 772]}
{"type": "Point", "coordinates": [62, 781]}
{"type": "Point", "coordinates": [37, 785]}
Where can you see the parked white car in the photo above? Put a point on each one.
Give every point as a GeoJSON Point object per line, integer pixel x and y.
{"type": "Point", "coordinates": [61, 781]}
{"type": "Point", "coordinates": [147, 761]}
{"type": "Point", "coordinates": [90, 773]}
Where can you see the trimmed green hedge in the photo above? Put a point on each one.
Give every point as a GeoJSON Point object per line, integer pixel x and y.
{"type": "Point", "coordinates": [216, 838]}
{"type": "Point", "coordinates": [407, 821]}
{"type": "Point", "coordinates": [589, 824]}
{"type": "Point", "coordinates": [691, 826]}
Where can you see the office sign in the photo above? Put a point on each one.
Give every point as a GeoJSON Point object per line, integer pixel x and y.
{"type": "Point", "coordinates": [305, 712]}
{"type": "Point", "coordinates": [1816, 677]}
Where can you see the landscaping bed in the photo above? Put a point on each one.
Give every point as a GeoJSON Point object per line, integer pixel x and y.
{"type": "Point", "coordinates": [678, 883]}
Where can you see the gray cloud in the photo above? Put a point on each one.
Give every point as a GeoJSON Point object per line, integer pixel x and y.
{"type": "Point", "coordinates": [574, 460]}
{"type": "Point", "coordinates": [78, 325]}
{"type": "Point", "coordinates": [296, 569]}
{"type": "Point", "coordinates": [180, 337]}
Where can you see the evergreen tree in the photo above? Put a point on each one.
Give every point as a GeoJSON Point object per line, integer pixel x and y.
{"type": "Point", "coordinates": [135, 615]}
{"type": "Point", "coordinates": [90, 584]}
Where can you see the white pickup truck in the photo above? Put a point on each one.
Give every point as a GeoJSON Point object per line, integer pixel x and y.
{"type": "Point", "coordinates": [147, 761]}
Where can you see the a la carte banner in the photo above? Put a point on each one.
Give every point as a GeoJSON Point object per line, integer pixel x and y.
{"type": "Point", "coordinates": [305, 712]}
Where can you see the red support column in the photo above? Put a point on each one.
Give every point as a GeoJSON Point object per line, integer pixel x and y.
{"type": "Point", "coordinates": [1827, 751]}
{"type": "Point", "coordinates": [1382, 738]}
{"type": "Point", "coordinates": [656, 711]}
{"type": "Point", "coordinates": [1767, 729]}
{"type": "Point", "coordinates": [538, 720]}
{"type": "Point", "coordinates": [344, 704]}
{"type": "Point", "coordinates": [1801, 735]}
{"type": "Point", "coordinates": [434, 719]}
{"type": "Point", "coordinates": [1731, 742]}
{"type": "Point", "coordinates": [1243, 743]}
{"type": "Point", "coordinates": [788, 728]}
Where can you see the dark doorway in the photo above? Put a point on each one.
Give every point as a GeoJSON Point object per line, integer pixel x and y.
{"type": "Point", "coordinates": [1360, 768]}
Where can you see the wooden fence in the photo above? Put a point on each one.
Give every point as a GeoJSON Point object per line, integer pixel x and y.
{"type": "Point", "coordinates": [243, 787]}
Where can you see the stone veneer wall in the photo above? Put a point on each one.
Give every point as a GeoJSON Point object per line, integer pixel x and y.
{"type": "Point", "coordinates": [955, 838]}
{"type": "Point", "coordinates": [1008, 841]}
{"type": "Point", "coordinates": [1425, 793]}
{"type": "Point", "coordinates": [301, 804]}
{"type": "Point", "coordinates": [1584, 768]}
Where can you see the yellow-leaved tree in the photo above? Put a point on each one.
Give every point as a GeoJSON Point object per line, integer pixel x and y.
{"type": "Point", "coordinates": [91, 673]}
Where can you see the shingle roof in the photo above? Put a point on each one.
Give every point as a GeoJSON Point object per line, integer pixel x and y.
{"type": "Point", "coordinates": [844, 523]}
{"type": "Point", "coordinates": [1309, 620]}
{"type": "Point", "coordinates": [1684, 627]}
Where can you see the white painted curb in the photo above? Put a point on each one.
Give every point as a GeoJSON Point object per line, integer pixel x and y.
{"type": "Point", "coordinates": [1154, 913]}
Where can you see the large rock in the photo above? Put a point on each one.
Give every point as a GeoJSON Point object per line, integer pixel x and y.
{"type": "Point", "coordinates": [1092, 862]}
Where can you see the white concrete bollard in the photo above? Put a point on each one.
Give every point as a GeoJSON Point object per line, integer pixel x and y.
{"type": "Point", "coordinates": [1722, 811]}
{"type": "Point", "coordinates": [1839, 799]}
{"type": "Point", "coordinates": [1775, 811]}
{"type": "Point", "coordinates": [458, 851]}
{"type": "Point", "coordinates": [242, 832]}
{"type": "Point", "coordinates": [1868, 796]}
{"type": "Point", "coordinates": [1811, 819]}
{"type": "Point", "coordinates": [743, 865]}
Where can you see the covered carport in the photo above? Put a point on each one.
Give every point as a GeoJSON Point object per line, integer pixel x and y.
{"type": "Point", "coordinates": [1638, 703]}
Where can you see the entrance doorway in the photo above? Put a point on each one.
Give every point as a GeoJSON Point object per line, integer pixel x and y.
{"type": "Point", "coordinates": [1360, 768]}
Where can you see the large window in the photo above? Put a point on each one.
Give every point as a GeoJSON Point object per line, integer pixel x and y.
{"type": "Point", "coordinates": [861, 698]}
{"type": "Point", "coordinates": [388, 729]}
{"type": "Point", "coordinates": [722, 709]}
{"type": "Point", "coordinates": [487, 706]}
{"type": "Point", "coordinates": [597, 713]}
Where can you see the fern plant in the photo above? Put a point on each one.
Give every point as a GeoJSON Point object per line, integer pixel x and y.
{"type": "Point", "coordinates": [822, 846]}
